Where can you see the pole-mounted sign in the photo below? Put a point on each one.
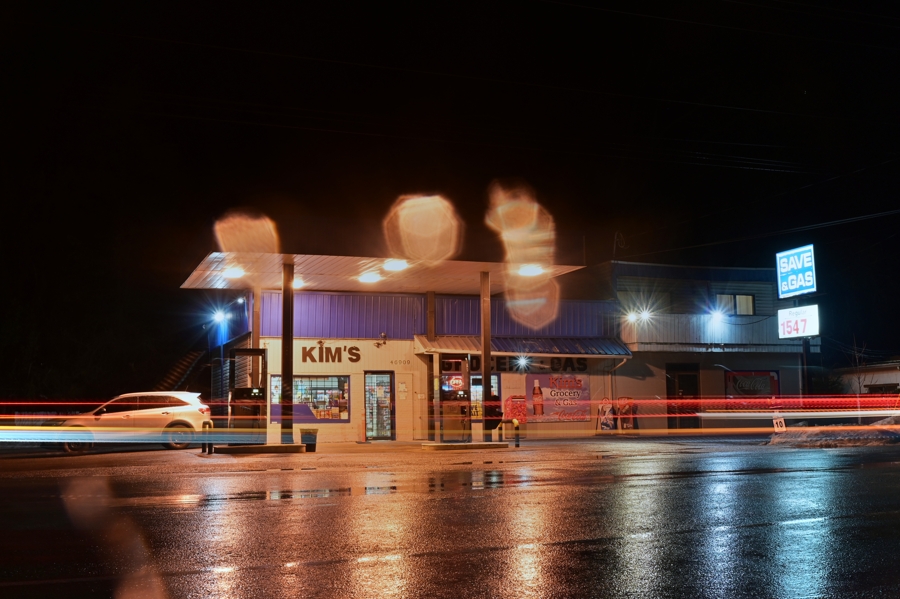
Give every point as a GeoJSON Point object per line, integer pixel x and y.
{"type": "Point", "coordinates": [800, 321]}
{"type": "Point", "coordinates": [796, 271]}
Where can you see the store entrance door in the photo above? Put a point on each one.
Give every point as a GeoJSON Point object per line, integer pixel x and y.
{"type": "Point", "coordinates": [380, 406]}
{"type": "Point", "coordinates": [683, 405]}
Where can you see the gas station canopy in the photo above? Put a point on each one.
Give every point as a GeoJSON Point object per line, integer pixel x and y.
{"type": "Point", "coordinates": [241, 270]}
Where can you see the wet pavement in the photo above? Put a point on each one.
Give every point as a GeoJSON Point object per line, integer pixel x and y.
{"type": "Point", "coordinates": [625, 517]}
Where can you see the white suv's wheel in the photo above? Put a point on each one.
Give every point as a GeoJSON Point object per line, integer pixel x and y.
{"type": "Point", "coordinates": [80, 442]}
{"type": "Point", "coordinates": [178, 436]}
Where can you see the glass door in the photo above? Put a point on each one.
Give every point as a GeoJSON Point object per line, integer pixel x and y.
{"type": "Point", "coordinates": [380, 405]}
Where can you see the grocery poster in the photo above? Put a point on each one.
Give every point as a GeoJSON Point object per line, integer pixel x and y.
{"type": "Point", "coordinates": [558, 397]}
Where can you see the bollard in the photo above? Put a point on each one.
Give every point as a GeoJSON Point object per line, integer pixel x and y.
{"type": "Point", "coordinates": [206, 445]}
{"type": "Point", "coordinates": [515, 423]}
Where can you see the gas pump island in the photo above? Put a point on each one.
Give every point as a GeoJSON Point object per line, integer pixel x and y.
{"type": "Point", "coordinates": [463, 411]}
{"type": "Point", "coordinates": [247, 407]}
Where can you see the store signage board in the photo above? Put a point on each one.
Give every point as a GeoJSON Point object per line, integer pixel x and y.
{"type": "Point", "coordinates": [801, 321]}
{"type": "Point", "coordinates": [558, 398]}
{"type": "Point", "coordinates": [796, 271]}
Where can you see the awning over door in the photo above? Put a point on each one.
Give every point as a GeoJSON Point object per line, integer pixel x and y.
{"type": "Point", "coordinates": [576, 347]}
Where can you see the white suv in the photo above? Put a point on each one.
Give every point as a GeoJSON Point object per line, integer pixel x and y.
{"type": "Point", "coordinates": [171, 416]}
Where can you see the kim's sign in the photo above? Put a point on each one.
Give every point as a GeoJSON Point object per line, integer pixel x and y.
{"type": "Point", "coordinates": [796, 271]}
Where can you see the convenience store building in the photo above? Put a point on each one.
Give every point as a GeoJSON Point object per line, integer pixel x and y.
{"type": "Point", "coordinates": [377, 358]}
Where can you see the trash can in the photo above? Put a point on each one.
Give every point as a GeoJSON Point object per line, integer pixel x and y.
{"type": "Point", "coordinates": [308, 438]}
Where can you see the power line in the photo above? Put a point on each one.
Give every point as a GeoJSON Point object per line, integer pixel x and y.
{"type": "Point", "coordinates": [779, 194]}
{"type": "Point", "coordinates": [716, 26]}
{"type": "Point", "coordinates": [842, 221]}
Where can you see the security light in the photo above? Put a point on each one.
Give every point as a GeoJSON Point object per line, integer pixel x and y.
{"type": "Point", "coordinates": [219, 316]}
{"type": "Point", "coordinates": [395, 265]}
{"type": "Point", "coordinates": [530, 270]}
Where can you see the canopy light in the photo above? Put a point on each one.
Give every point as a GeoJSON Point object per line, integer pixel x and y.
{"type": "Point", "coordinates": [369, 277]}
{"type": "Point", "coordinates": [717, 316]}
{"type": "Point", "coordinates": [645, 315]}
{"type": "Point", "coordinates": [219, 316]}
{"type": "Point", "coordinates": [235, 272]}
{"type": "Point", "coordinates": [297, 283]}
{"type": "Point", "coordinates": [632, 317]}
{"type": "Point", "coordinates": [395, 265]}
{"type": "Point", "coordinates": [240, 300]}
{"type": "Point", "coordinates": [530, 270]}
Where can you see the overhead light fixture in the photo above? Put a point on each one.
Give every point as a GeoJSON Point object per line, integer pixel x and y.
{"type": "Point", "coordinates": [219, 316]}
{"type": "Point", "coordinates": [240, 300]}
{"type": "Point", "coordinates": [632, 317]}
{"type": "Point", "coordinates": [645, 315]}
{"type": "Point", "coordinates": [234, 272]}
{"type": "Point", "coordinates": [716, 316]}
{"type": "Point", "coordinates": [530, 270]}
{"type": "Point", "coordinates": [395, 264]}
{"type": "Point", "coordinates": [369, 277]}
{"type": "Point", "coordinates": [297, 283]}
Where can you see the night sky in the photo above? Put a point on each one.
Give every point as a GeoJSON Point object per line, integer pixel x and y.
{"type": "Point", "coordinates": [705, 133]}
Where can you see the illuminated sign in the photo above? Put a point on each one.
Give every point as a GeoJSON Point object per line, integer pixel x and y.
{"type": "Point", "coordinates": [802, 321]}
{"type": "Point", "coordinates": [796, 271]}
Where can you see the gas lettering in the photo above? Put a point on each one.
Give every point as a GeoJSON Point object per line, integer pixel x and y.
{"type": "Point", "coordinates": [798, 281]}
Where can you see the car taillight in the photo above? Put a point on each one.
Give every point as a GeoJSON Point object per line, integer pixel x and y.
{"type": "Point", "coordinates": [204, 410]}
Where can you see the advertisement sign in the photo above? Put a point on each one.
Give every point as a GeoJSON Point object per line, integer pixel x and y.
{"type": "Point", "coordinates": [802, 321]}
{"type": "Point", "coordinates": [750, 383]}
{"type": "Point", "coordinates": [796, 271]}
{"type": "Point", "coordinates": [558, 397]}
{"type": "Point", "coordinates": [607, 416]}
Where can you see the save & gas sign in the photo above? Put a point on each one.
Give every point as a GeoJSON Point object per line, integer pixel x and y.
{"type": "Point", "coordinates": [796, 271]}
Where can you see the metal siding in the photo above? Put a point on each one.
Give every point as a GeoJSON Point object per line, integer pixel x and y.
{"type": "Point", "coordinates": [270, 314]}
{"type": "Point", "coordinates": [344, 315]}
{"type": "Point", "coordinates": [696, 332]}
{"type": "Point", "coordinates": [576, 318]}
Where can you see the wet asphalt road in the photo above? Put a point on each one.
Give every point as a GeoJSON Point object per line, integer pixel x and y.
{"type": "Point", "coordinates": [716, 518]}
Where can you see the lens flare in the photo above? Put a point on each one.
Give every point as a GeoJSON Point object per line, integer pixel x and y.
{"type": "Point", "coordinates": [423, 228]}
{"type": "Point", "coordinates": [535, 307]}
{"type": "Point", "coordinates": [529, 237]}
{"type": "Point", "coordinates": [240, 231]}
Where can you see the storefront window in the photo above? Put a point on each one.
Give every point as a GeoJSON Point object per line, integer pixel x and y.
{"type": "Point", "coordinates": [477, 394]}
{"type": "Point", "coordinates": [327, 397]}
